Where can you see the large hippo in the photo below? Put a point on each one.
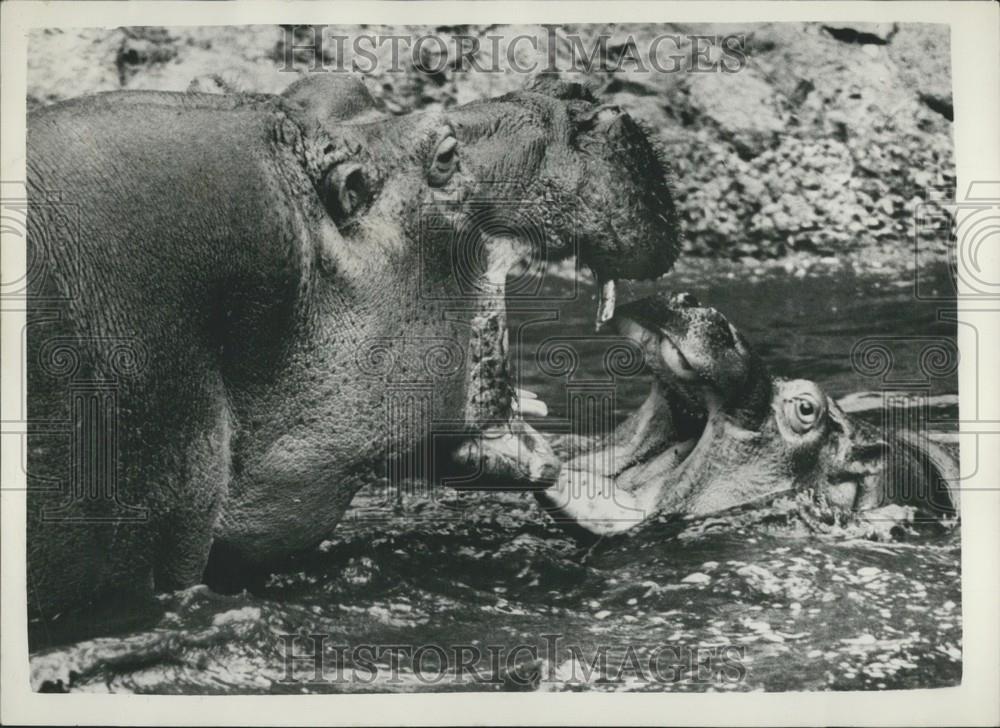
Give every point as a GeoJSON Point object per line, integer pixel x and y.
{"type": "Point", "coordinates": [243, 308]}
{"type": "Point", "coordinates": [717, 431]}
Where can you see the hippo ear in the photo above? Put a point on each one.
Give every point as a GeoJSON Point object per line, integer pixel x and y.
{"type": "Point", "coordinates": [345, 191]}
{"type": "Point", "coordinates": [552, 85]}
{"type": "Point", "coordinates": [331, 97]}
{"type": "Point", "coordinates": [861, 457]}
{"type": "Point", "coordinates": [228, 81]}
{"type": "Point", "coordinates": [861, 445]}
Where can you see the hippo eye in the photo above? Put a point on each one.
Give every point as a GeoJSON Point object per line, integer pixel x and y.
{"type": "Point", "coordinates": [445, 161]}
{"type": "Point", "coordinates": [802, 412]}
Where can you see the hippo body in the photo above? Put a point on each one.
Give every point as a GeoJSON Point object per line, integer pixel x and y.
{"type": "Point", "coordinates": [247, 283]}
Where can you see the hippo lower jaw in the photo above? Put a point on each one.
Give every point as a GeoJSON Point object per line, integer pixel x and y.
{"type": "Point", "coordinates": [505, 452]}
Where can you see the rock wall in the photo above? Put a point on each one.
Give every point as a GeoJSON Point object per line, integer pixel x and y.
{"type": "Point", "coordinates": [826, 139]}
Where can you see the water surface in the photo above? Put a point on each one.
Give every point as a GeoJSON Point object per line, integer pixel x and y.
{"type": "Point", "coordinates": [762, 601]}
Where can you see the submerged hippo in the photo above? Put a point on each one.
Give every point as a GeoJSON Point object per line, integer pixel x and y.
{"type": "Point", "coordinates": [717, 432]}
{"type": "Point", "coordinates": [243, 308]}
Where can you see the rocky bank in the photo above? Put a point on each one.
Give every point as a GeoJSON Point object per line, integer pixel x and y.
{"type": "Point", "coordinates": [826, 140]}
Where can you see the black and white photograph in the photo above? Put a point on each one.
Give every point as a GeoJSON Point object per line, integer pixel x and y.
{"type": "Point", "coordinates": [428, 356]}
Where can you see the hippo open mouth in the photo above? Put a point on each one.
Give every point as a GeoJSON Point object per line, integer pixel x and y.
{"type": "Point", "coordinates": [717, 432]}
{"type": "Point", "coordinates": [660, 459]}
{"type": "Point", "coordinates": [508, 452]}
{"type": "Point", "coordinates": [604, 198]}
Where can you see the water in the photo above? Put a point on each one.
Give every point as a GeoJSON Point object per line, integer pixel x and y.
{"type": "Point", "coordinates": [757, 601]}
{"type": "Point", "coordinates": [803, 327]}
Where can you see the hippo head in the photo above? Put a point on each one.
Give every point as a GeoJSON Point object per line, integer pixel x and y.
{"type": "Point", "coordinates": [433, 211]}
{"type": "Point", "coordinates": [548, 170]}
{"type": "Point", "coordinates": [716, 432]}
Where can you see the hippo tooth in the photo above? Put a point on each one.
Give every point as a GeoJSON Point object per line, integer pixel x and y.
{"type": "Point", "coordinates": [606, 305]}
{"type": "Point", "coordinates": [531, 406]}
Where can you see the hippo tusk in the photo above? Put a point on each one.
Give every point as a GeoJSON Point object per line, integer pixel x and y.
{"type": "Point", "coordinates": [527, 403]}
{"type": "Point", "coordinates": [606, 304]}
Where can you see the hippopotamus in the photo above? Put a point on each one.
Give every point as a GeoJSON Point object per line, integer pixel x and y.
{"type": "Point", "coordinates": [718, 431]}
{"type": "Point", "coordinates": [243, 308]}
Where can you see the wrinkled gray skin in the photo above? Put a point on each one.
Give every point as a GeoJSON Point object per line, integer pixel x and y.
{"type": "Point", "coordinates": [279, 270]}
{"type": "Point", "coordinates": [718, 432]}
